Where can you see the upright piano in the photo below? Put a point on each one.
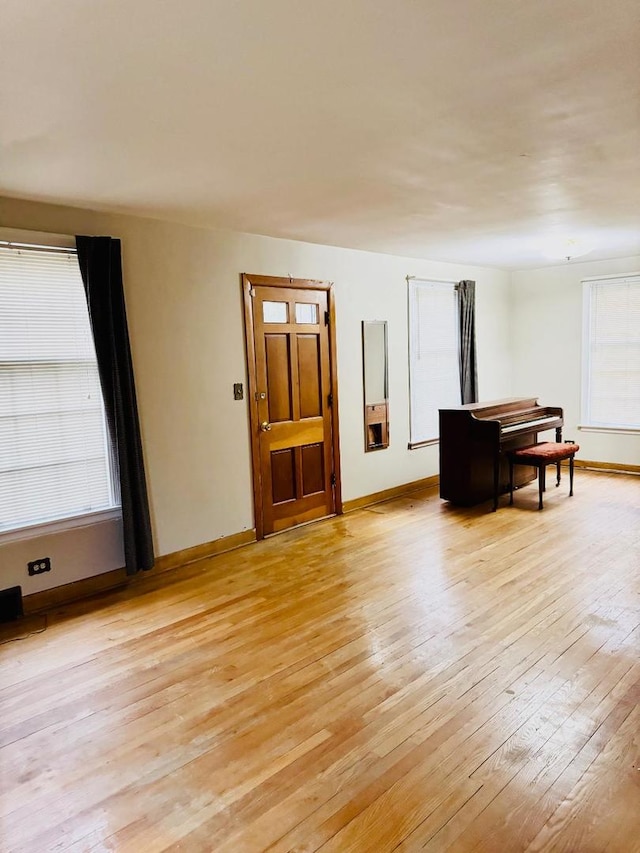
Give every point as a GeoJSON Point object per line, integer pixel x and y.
{"type": "Point", "coordinates": [473, 441]}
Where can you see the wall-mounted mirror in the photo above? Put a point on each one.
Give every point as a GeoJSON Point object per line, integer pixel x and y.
{"type": "Point", "coordinates": [376, 383]}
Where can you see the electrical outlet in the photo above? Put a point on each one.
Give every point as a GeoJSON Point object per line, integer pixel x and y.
{"type": "Point", "coordinates": [37, 567]}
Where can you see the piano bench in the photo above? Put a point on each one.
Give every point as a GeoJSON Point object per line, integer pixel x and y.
{"type": "Point", "coordinates": [541, 455]}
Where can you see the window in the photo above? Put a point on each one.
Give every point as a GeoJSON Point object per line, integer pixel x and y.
{"type": "Point", "coordinates": [434, 372]}
{"type": "Point", "coordinates": [54, 449]}
{"type": "Point", "coordinates": [611, 361]}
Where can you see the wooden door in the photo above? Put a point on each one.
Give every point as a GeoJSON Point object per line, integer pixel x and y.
{"type": "Point", "coordinates": [293, 392]}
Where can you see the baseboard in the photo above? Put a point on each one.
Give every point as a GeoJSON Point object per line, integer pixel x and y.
{"type": "Point", "coordinates": [201, 552]}
{"type": "Point", "coordinates": [388, 494]}
{"type": "Point", "coordinates": [49, 599]}
{"type": "Point", "coordinates": [611, 467]}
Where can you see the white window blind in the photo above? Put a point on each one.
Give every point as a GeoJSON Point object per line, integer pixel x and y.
{"type": "Point", "coordinates": [54, 454]}
{"type": "Point", "coordinates": [611, 363]}
{"type": "Point", "coordinates": [434, 373]}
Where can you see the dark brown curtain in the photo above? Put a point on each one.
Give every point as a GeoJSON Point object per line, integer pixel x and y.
{"type": "Point", "coordinates": [101, 267]}
{"type": "Point", "coordinates": [467, 321]}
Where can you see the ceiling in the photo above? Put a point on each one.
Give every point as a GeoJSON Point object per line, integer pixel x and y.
{"type": "Point", "coordinates": [467, 131]}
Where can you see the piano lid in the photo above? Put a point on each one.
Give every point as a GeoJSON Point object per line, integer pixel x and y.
{"type": "Point", "coordinates": [495, 407]}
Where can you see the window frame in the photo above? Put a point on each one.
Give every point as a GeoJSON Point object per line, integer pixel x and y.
{"type": "Point", "coordinates": [442, 284]}
{"type": "Point", "coordinates": [586, 424]}
{"type": "Point", "coordinates": [60, 525]}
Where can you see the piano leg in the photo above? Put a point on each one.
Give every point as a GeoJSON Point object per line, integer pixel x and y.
{"type": "Point", "coordinates": [510, 480]}
{"type": "Point", "coordinates": [496, 481]}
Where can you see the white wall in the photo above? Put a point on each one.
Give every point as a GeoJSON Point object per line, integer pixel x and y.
{"type": "Point", "coordinates": [546, 342]}
{"type": "Point", "coordinates": [186, 326]}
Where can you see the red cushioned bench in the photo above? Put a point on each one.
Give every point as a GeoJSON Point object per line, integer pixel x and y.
{"type": "Point", "coordinates": [541, 455]}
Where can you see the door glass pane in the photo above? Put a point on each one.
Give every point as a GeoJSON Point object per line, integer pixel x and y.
{"type": "Point", "coordinates": [275, 312]}
{"type": "Point", "coordinates": [306, 312]}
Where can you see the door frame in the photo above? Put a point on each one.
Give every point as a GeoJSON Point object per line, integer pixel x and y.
{"type": "Point", "coordinates": [248, 282]}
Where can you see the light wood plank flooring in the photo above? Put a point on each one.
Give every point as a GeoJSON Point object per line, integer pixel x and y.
{"type": "Point", "coordinates": [406, 677]}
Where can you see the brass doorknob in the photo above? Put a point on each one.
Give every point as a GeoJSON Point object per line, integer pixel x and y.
{"type": "Point", "coordinates": [265, 426]}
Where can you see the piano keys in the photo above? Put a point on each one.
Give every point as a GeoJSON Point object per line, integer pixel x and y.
{"type": "Point", "coordinates": [473, 441]}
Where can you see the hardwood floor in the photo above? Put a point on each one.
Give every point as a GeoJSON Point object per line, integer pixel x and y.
{"type": "Point", "coordinates": [406, 677]}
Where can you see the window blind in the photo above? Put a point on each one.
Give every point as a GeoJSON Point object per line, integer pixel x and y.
{"type": "Point", "coordinates": [54, 452]}
{"type": "Point", "coordinates": [434, 373]}
{"type": "Point", "coordinates": [611, 386]}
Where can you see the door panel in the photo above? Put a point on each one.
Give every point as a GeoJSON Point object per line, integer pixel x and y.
{"type": "Point", "coordinates": [293, 423]}
{"type": "Point", "coordinates": [312, 469]}
{"type": "Point", "coordinates": [309, 368]}
{"type": "Point", "coordinates": [278, 377]}
{"type": "Point", "coordinates": [283, 475]}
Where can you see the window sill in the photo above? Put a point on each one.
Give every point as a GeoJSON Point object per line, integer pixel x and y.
{"type": "Point", "coordinates": [416, 445]}
{"type": "Point", "coordinates": [59, 525]}
{"type": "Point", "coordinates": [611, 429]}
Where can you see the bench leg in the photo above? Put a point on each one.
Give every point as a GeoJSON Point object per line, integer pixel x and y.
{"type": "Point", "coordinates": [571, 476]}
{"type": "Point", "coordinates": [557, 474]}
{"type": "Point", "coordinates": [541, 483]}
